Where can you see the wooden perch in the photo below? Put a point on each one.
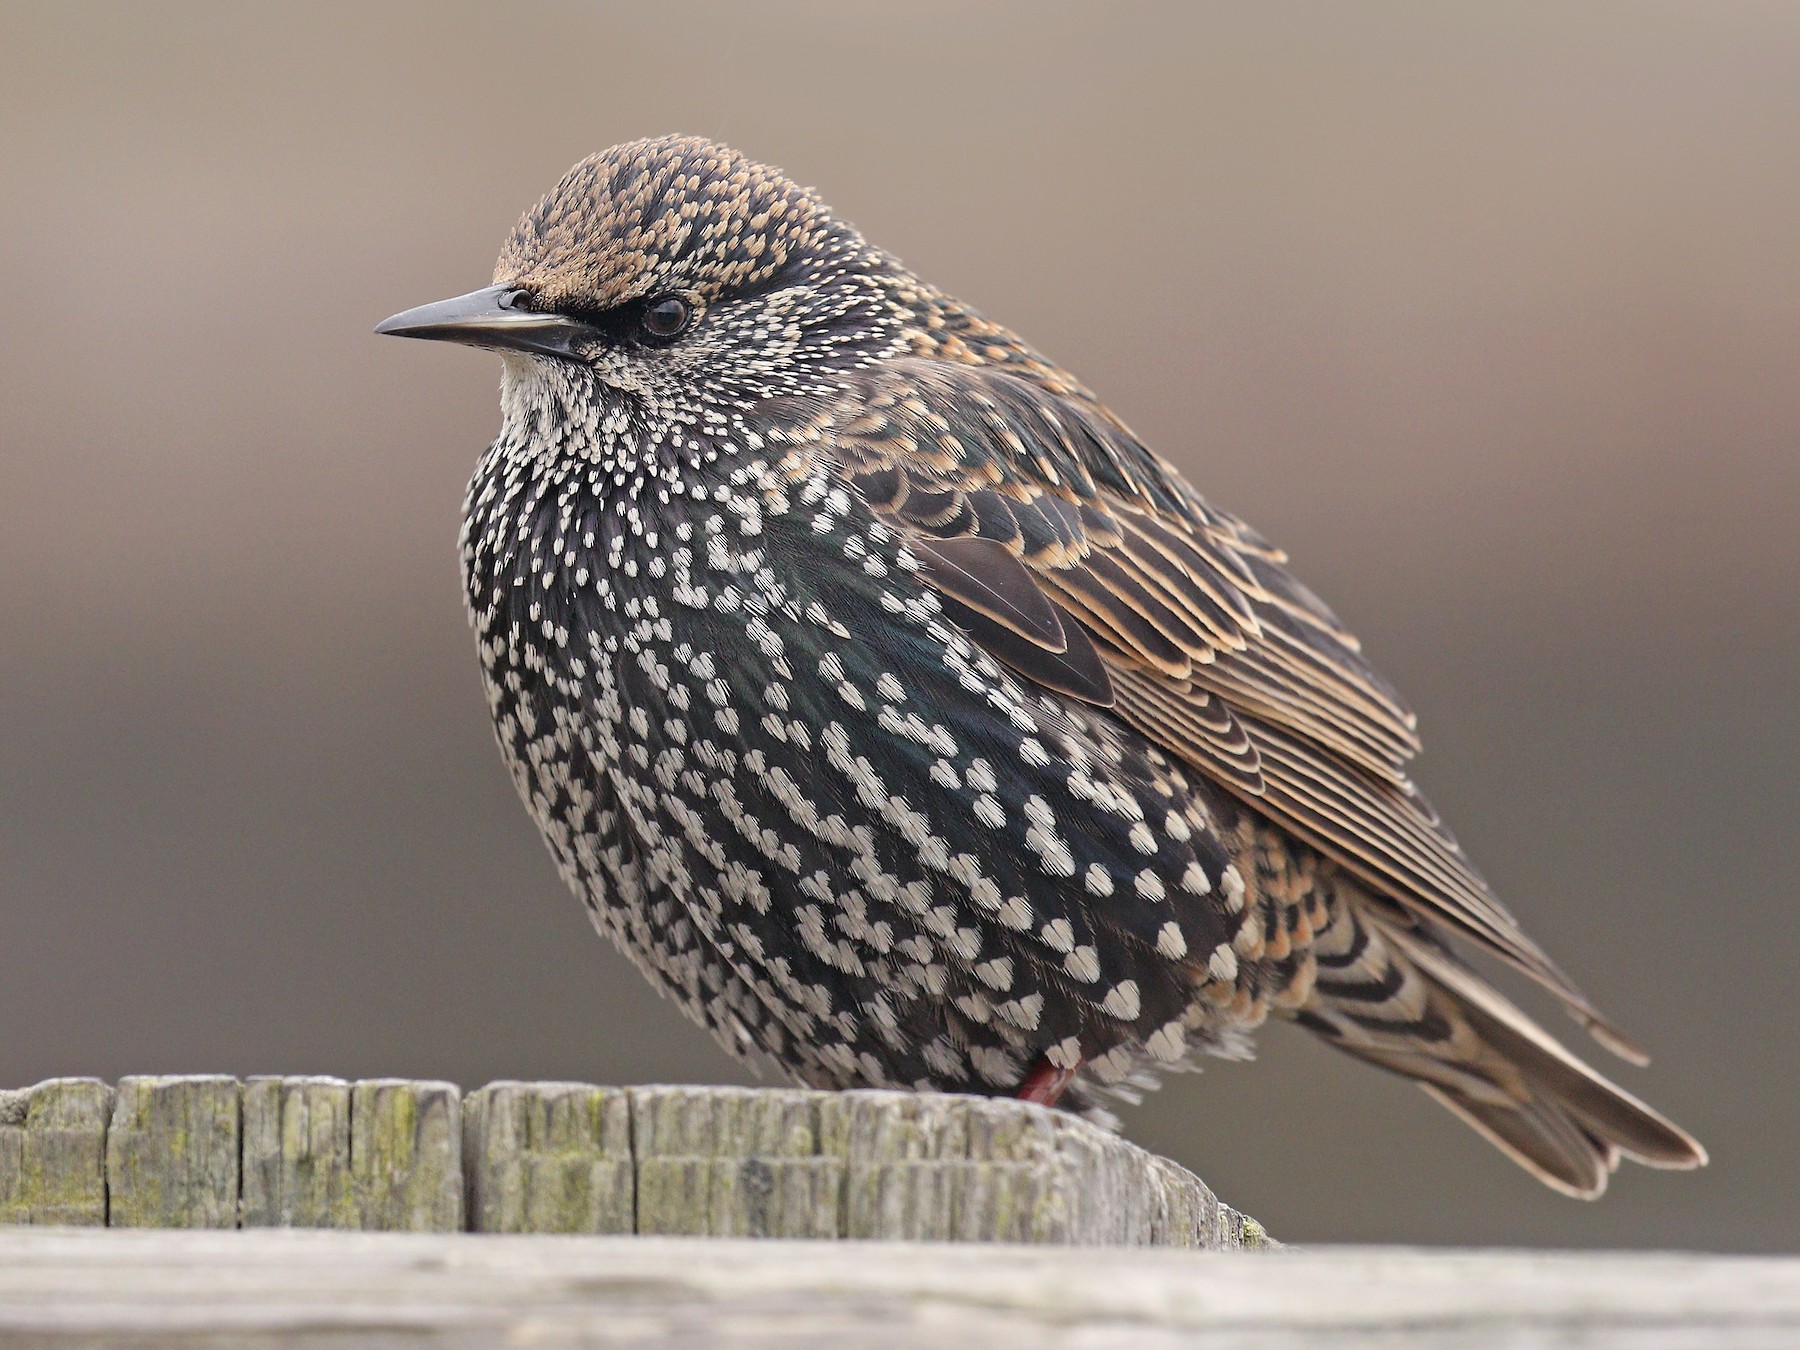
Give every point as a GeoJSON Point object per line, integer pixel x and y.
{"type": "Point", "coordinates": [275, 1289]}
{"type": "Point", "coordinates": [399, 1155]}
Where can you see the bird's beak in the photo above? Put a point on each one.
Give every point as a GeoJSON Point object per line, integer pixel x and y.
{"type": "Point", "coordinates": [491, 318]}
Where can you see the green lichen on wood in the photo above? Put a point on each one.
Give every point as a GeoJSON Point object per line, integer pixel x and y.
{"type": "Point", "coordinates": [1029, 1178]}
{"type": "Point", "coordinates": [53, 1153]}
{"type": "Point", "coordinates": [172, 1153]}
{"type": "Point", "coordinates": [1179, 1211]}
{"type": "Point", "coordinates": [573, 1158]}
{"type": "Point", "coordinates": [406, 1155]}
{"type": "Point", "coordinates": [1248, 1233]}
{"type": "Point", "coordinates": [297, 1154]}
{"type": "Point", "coordinates": [737, 1162]}
{"type": "Point", "coordinates": [927, 1167]}
{"type": "Point", "coordinates": [945, 1168]}
{"type": "Point", "coordinates": [897, 1183]}
{"type": "Point", "coordinates": [549, 1158]}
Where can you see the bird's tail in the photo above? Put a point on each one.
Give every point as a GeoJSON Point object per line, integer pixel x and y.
{"type": "Point", "coordinates": [1388, 992]}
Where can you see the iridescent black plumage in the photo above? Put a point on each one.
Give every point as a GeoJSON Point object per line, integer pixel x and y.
{"type": "Point", "coordinates": [911, 724]}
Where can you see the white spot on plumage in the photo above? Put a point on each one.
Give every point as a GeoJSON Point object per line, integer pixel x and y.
{"type": "Point", "coordinates": [1083, 964]}
{"type": "Point", "coordinates": [1223, 963]}
{"type": "Point", "coordinates": [1233, 886]}
{"type": "Point", "coordinates": [1024, 1013]}
{"type": "Point", "coordinates": [1121, 1001]}
{"type": "Point", "coordinates": [1168, 1043]}
{"type": "Point", "coordinates": [1170, 942]}
{"type": "Point", "coordinates": [996, 973]}
{"type": "Point", "coordinates": [1014, 913]}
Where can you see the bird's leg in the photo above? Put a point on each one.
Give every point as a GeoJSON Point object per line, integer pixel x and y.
{"type": "Point", "coordinates": [1045, 1083]}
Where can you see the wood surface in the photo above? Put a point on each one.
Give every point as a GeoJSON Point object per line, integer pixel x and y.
{"type": "Point", "coordinates": [285, 1290]}
{"type": "Point", "coordinates": [570, 1158]}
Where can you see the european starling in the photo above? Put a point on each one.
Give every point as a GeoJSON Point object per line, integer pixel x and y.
{"type": "Point", "coordinates": [912, 724]}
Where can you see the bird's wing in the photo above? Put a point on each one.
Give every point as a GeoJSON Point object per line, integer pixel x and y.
{"type": "Point", "coordinates": [1078, 558]}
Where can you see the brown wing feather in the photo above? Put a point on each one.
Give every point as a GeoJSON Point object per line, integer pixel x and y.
{"type": "Point", "coordinates": [1195, 725]}
{"type": "Point", "coordinates": [986, 577]}
{"type": "Point", "coordinates": [1214, 650]}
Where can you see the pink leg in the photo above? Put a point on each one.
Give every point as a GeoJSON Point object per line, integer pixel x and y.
{"type": "Point", "coordinates": [1045, 1083]}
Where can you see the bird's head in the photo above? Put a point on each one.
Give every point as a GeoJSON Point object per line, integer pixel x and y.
{"type": "Point", "coordinates": [675, 269]}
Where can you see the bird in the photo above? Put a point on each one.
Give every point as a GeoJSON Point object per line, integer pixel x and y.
{"type": "Point", "coordinates": [910, 723]}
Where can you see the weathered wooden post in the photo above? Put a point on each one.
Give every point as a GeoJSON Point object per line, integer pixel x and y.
{"type": "Point", "coordinates": [53, 1153]}
{"type": "Point", "coordinates": [401, 1156]}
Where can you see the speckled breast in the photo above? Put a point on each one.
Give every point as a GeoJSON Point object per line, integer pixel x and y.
{"type": "Point", "coordinates": [813, 812]}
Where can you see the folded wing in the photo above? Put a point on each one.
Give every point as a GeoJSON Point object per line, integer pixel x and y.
{"type": "Point", "coordinates": [1078, 558]}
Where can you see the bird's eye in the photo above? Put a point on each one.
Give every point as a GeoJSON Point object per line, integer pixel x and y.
{"type": "Point", "coordinates": [666, 318]}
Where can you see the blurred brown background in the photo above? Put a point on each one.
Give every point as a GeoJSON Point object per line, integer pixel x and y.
{"type": "Point", "coordinates": [1489, 313]}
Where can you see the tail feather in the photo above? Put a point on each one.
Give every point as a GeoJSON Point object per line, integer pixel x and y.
{"type": "Point", "coordinates": [1543, 1140]}
{"type": "Point", "coordinates": [1388, 992]}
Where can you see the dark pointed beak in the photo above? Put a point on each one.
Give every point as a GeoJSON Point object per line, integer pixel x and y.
{"type": "Point", "coordinates": [492, 318]}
